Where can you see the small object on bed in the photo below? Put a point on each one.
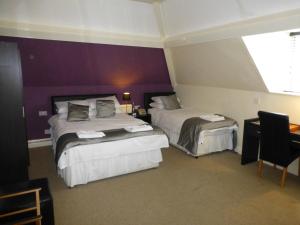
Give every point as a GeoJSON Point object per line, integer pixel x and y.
{"type": "Point", "coordinates": [62, 107]}
{"type": "Point", "coordinates": [105, 108]}
{"type": "Point", "coordinates": [93, 101]}
{"type": "Point", "coordinates": [77, 112]}
{"type": "Point", "coordinates": [90, 134]}
{"type": "Point", "coordinates": [212, 117]}
{"type": "Point", "coordinates": [138, 128]}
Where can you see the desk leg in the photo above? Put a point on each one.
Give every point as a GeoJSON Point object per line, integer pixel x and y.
{"type": "Point", "coordinates": [250, 150]}
{"type": "Point", "coordinates": [299, 166]}
{"type": "Point", "coordinates": [250, 145]}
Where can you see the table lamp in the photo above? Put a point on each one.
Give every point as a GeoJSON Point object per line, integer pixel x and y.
{"type": "Point", "coordinates": [126, 97]}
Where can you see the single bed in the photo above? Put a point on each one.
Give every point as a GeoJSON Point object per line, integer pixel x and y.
{"type": "Point", "coordinates": [171, 121]}
{"type": "Point", "coordinates": [90, 162]}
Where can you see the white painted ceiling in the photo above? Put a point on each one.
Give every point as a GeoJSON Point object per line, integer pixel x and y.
{"type": "Point", "coordinates": [114, 16]}
{"type": "Point", "coordinates": [148, 1]}
{"type": "Point", "coordinates": [183, 16]}
{"type": "Point", "coordinates": [138, 17]}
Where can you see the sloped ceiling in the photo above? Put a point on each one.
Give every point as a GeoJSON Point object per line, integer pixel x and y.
{"type": "Point", "coordinates": [148, 1]}
{"type": "Point", "coordinates": [114, 16]}
{"type": "Point", "coordinates": [224, 63]}
{"type": "Point", "coordinates": [193, 15]}
{"type": "Point", "coordinates": [136, 16]}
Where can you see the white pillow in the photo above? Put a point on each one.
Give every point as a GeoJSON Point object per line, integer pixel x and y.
{"type": "Point", "coordinates": [62, 107]}
{"type": "Point", "coordinates": [157, 105]}
{"type": "Point", "coordinates": [92, 102]}
{"type": "Point", "coordinates": [157, 99]}
{"type": "Point", "coordinates": [63, 115]}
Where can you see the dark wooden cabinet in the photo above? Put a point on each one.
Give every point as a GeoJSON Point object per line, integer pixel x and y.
{"type": "Point", "coordinates": [14, 158]}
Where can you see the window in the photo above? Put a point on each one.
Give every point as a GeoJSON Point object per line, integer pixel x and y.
{"type": "Point", "coordinates": [294, 70]}
{"type": "Point", "coordinates": [277, 58]}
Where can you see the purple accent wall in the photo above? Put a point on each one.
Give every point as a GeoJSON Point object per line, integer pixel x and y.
{"type": "Point", "coordinates": [62, 68]}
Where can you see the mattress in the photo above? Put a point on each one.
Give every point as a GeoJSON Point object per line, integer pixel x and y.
{"type": "Point", "coordinates": [210, 141]}
{"type": "Point", "coordinates": [85, 163]}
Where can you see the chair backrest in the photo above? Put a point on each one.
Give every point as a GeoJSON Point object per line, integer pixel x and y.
{"type": "Point", "coordinates": [274, 138]}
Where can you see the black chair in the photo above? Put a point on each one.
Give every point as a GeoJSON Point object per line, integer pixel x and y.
{"type": "Point", "coordinates": [275, 144]}
{"type": "Point", "coordinates": [28, 201]}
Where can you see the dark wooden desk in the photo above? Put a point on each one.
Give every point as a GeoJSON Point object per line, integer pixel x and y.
{"type": "Point", "coordinates": [251, 139]}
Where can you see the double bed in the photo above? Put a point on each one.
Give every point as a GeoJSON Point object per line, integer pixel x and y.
{"type": "Point", "coordinates": [171, 122]}
{"type": "Point", "coordinates": [91, 161]}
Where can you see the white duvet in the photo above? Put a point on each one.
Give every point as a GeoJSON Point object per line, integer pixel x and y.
{"type": "Point", "coordinates": [174, 119]}
{"type": "Point", "coordinates": [171, 122]}
{"type": "Point", "coordinates": [90, 152]}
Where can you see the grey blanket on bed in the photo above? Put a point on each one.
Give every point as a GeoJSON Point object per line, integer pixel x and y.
{"type": "Point", "coordinates": [69, 140]}
{"type": "Point", "coordinates": [191, 128]}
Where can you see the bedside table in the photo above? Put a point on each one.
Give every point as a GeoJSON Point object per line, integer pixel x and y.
{"type": "Point", "coordinates": [146, 118]}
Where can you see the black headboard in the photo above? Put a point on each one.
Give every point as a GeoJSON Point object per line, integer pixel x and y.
{"type": "Point", "coordinates": [64, 98]}
{"type": "Point", "coordinates": [148, 96]}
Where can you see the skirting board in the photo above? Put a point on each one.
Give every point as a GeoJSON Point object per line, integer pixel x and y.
{"type": "Point", "coordinates": [39, 143]}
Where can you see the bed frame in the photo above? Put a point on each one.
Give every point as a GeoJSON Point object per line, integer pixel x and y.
{"type": "Point", "coordinates": [149, 95]}
{"type": "Point", "coordinates": [63, 98]}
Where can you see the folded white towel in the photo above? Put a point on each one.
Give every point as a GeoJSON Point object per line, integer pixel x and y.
{"type": "Point", "coordinates": [138, 128]}
{"type": "Point", "coordinates": [212, 118]}
{"type": "Point", "coordinates": [90, 134]}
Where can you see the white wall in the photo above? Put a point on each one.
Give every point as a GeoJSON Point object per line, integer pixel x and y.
{"type": "Point", "coordinates": [239, 105]}
{"type": "Point", "coordinates": [193, 15]}
{"type": "Point", "coordinates": [225, 63]}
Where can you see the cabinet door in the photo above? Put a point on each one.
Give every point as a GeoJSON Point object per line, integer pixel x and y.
{"type": "Point", "coordinates": [13, 143]}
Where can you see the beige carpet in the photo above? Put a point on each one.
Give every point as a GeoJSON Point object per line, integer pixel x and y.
{"type": "Point", "coordinates": [211, 190]}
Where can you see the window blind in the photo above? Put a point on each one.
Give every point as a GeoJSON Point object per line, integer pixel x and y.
{"type": "Point", "coordinates": [294, 67]}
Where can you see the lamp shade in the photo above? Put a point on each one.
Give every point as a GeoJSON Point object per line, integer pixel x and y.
{"type": "Point", "coordinates": [126, 96]}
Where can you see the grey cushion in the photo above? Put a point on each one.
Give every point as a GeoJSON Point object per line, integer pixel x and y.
{"type": "Point", "coordinates": [78, 112]}
{"type": "Point", "coordinates": [170, 102]}
{"type": "Point", "coordinates": [105, 108]}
